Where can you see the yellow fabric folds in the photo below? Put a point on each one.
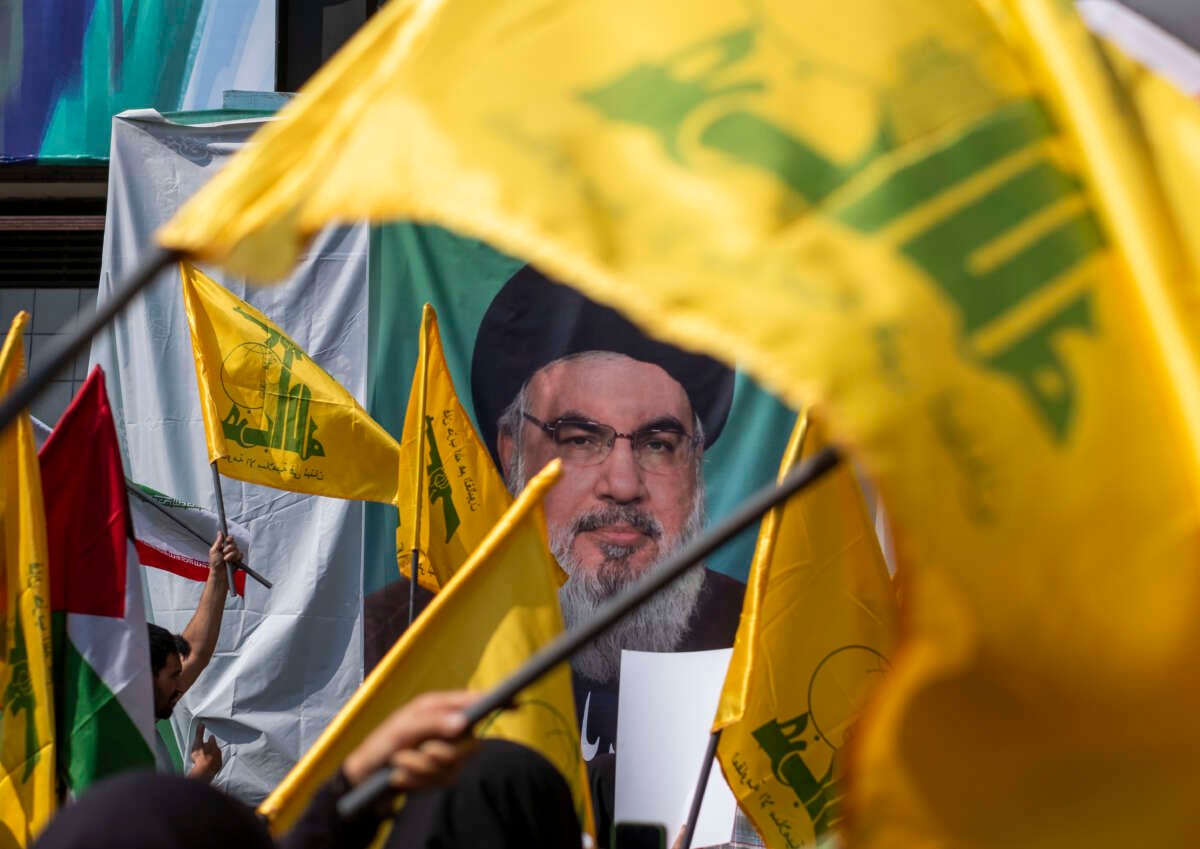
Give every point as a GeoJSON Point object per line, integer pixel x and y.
{"type": "Point", "coordinates": [274, 417]}
{"type": "Point", "coordinates": [449, 486]}
{"type": "Point", "coordinates": [499, 608]}
{"type": "Point", "coordinates": [816, 632]}
{"type": "Point", "coordinates": [933, 220]}
{"type": "Point", "coordinates": [27, 746]}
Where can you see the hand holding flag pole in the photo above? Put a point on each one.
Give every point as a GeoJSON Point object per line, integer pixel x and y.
{"type": "Point", "coordinates": [231, 567]}
{"type": "Point", "coordinates": [378, 785]}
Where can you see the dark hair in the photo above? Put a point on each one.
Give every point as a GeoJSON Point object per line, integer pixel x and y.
{"type": "Point", "coordinates": [163, 644]}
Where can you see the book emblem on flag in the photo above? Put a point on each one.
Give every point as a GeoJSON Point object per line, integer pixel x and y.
{"type": "Point", "coordinates": [279, 405]}
{"type": "Point", "coordinates": [803, 749]}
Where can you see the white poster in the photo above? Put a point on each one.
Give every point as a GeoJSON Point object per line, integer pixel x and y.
{"type": "Point", "coordinates": [668, 701]}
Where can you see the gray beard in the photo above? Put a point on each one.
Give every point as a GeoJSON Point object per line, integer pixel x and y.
{"type": "Point", "coordinates": [659, 624]}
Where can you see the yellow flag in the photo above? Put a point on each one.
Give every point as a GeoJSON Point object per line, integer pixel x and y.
{"type": "Point", "coordinates": [274, 417]}
{"type": "Point", "coordinates": [816, 631]}
{"type": "Point", "coordinates": [449, 486]}
{"type": "Point", "coordinates": [935, 220]}
{"type": "Point", "coordinates": [499, 608]}
{"type": "Point", "coordinates": [27, 749]}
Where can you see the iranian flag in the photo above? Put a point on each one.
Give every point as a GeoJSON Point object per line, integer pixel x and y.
{"type": "Point", "coordinates": [102, 683]}
{"type": "Point", "coordinates": [175, 536]}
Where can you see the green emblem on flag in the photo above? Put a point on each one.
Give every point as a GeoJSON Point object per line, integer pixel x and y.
{"type": "Point", "coordinates": [252, 375]}
{"type": "Point", "coordinates": [18, 696]}
{"type": "Point", "coordinates": [786, 743]}
{"type": "Point", "coordinates": [439, 483]}
{"type": "Point", "coordinates": [1001, 257]}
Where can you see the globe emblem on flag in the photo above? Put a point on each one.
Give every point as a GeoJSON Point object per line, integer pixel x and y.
{"type": "Point", "coordinates": [249, 372]}
{"type": "Point", "coordinates": [838, 687]}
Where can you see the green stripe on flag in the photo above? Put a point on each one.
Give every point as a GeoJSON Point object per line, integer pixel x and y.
{"type": "Point", "coordinates": [166, 733]}
{"type": "Point", "coordinates": [97, 738]}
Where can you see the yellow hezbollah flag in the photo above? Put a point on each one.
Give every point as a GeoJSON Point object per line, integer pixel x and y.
{"type": "Point", "coordinates": [499, 608]}
{"type": "Point", "coordinates": [959, 249]}
{"type": "Point", "coordinates": [816, 631]}
{"type": "Point", "coordinates": [449, 486]}
{"type": "Point", "coordinates": [274, 417]}
{"type": "Point", "coordinates": [27, 755]}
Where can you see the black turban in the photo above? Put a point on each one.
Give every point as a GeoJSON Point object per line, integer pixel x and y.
{"type": "Point", "coordinates": [534, 321]}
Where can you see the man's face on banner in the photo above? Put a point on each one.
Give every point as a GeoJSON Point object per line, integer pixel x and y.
{"type": "Point", "coordinates": [628, 396]}
{"type": "Point", "coordinates": [611, 518]}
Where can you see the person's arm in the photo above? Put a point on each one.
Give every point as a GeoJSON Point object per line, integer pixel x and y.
{"type": "Point", "coordinates": [425, 742]}
{"type": "Point", "coordinates": [206, 757]}
{"type": "Point", "coordinates": [202, 631]}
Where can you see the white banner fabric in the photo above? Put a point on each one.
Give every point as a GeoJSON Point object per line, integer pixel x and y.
{"type": "Point", "coordinates": [289, 657]}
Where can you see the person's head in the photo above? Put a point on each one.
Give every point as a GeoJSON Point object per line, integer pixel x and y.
{"type": "Point", "coordinates": [148, 810]}
{"type": "Point", "coordinates": [628, 418]}
{"type": "Point", "coordinates": [167, 652]}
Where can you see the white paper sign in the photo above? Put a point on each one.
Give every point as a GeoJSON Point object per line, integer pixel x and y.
{"type": "Point", "coordinates": [664, 717]}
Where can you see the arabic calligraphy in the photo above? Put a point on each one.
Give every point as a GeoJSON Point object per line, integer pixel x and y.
{"type": "Point", "coordinates": [295, 471]}
{"type": "Point", "coordinates": [762, 801]}
{"type": "Point", "coordinates": [589, 747]}
{"type": "Point", "coordinates": [457, 450]}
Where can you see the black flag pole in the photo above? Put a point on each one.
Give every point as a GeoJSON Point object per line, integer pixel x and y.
{"type": "Point", "coordinates": [378, 784]}
{"type": "Point", "coordinates": [216, 475]}
{"type": "Point", "coordinates": [689, 827]}
{"type": "Point", "coordinates": [230, 567]}
{"type": "Point", "coordinates": [413, 563]}
{"type": "Point", "coordinates": [81, 332]}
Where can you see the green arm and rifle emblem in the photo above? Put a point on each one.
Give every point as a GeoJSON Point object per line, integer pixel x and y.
{"type": "Point", "coordinates": [439, 483]}
{"type": "Point", "coordinates": [784, 743]}
{"type": "Point", "coordinates": [1002, 256]}
{"type": "Point", "coordinates": [18, 696]}
{"type": "Point", "coordinates": [289, 427]}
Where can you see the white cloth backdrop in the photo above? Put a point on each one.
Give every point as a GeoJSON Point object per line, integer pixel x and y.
{"type": "Point", "coordinates": [289, 657]}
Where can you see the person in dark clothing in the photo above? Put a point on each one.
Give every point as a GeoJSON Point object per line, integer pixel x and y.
{"type": "Point", "coordinates": [503, 798]}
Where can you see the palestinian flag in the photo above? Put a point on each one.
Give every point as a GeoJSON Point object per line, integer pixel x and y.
{"type": "Point", "coordinates": [102, 683]}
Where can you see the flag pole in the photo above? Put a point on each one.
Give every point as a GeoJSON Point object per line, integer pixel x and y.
{"type": "Point", "coordinates": [414, 560]}
{"type": "Point", "coordinates": [689, 827]}
{"type": "Point", "coordinates": [378, 784]}
{"type": "Point", "coordinates": [83, 328]}
{"type": "Point", "coordinates": [229, 567]}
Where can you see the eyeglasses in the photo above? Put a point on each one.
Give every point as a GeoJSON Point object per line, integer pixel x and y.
{"type": "Point", "coordinates": [661, 448]}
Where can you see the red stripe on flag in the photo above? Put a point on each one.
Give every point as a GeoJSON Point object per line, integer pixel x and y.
{"type": "Point", "coordinates": [185, 567]}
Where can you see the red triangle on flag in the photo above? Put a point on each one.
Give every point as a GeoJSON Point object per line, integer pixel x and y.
{"type": "Point", "coordinates": [87, 515]}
